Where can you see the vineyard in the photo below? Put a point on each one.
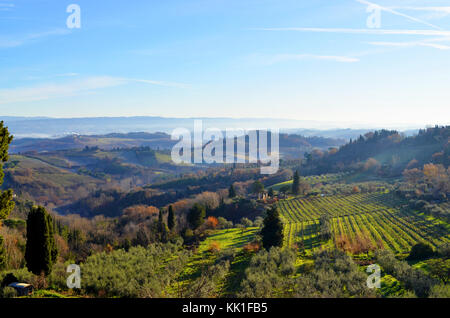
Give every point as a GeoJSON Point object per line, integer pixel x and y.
{"type": "Point", "coordinates": [383, 217]}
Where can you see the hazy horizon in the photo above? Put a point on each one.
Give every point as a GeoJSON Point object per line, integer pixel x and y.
{"type": "Point", "coordinates": [46, 127]}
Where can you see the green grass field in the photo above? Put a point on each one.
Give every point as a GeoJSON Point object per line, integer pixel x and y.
{"type": "Point", "coordinates": [325, 178]}
{"type": "Point", "coordinates": [234, 239]}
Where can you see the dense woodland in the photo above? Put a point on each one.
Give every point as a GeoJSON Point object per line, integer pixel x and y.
{"type": "Point", "coordinates": [384, 153]}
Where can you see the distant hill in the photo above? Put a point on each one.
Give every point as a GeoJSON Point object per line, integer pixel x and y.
{"type": "Point", "coordinates": [54, 127]}
{"type": "Point", "coordinates": [291, 146]}
{"type": "Point", "coordinates": [9, 119]}
{"type": "Point", "coordinates": [22, 127]}
{"type": "Point", "coordinates": [386, 151]}
{"type": "Point", "coordinates": [110, 141]}
{"type": "Point", "coordinates": [346, 134]}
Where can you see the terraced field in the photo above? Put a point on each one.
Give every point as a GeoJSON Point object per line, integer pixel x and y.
{"type": "Point", "coordinates": [383, 216]}
{"type": "Point", "coordinates": [324, 178]}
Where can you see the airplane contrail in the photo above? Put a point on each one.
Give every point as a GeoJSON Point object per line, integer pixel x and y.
{"type": "Point", "coordinates": [399, 14]}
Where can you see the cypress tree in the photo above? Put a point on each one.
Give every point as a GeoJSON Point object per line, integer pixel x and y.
{"type": "Point", "coordinates": [40, 251]}
{"type": "Point", "coordinates": [196, 216]}
{"type": "Point", "coordinates": [163, 231]}
{"type": "Point", "coordinates": [232, 191]}
{"type": "Point", "coordinates": [6, 202]}
{"type": "Point", "coordinates": [272, 231]}
{"type": "Point", "coordinates": [141, 238]}
{"type": "Point", "coordinates": [171, 219]}
{"type": "Point", "coordinates": [160, 221]}
{"type": "Point", "coordinates": [126, 244]}
{"type": "Point", "coordinates": [296, 183]}
{"type": "Point", "coordinates": [3, 257]}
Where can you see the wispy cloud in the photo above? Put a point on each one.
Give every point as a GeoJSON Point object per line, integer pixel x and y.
{"type": "Point", "coordinates": [411, 44]}
{"type": "Point", "coordinates": [67, 75]}
{"type": "Point", "coordinates": [6, 6]}
{"type": "Point", "coordinates": [433, 9]}
{"type": "Point", "coordinates": [295, 57]}
{"type": "Point", "coordinates": [362, 31]}
{"type": "Point", "coordinates": [431, 12]}
{"type": "Point", "coordinates": [443, 34]}
{"type": "Point", "coordinates": [10, 42]}
{"type": "Point", "coordinates": [390, 10]}
{"type": "Point", "coordinates": [158, 83]}
{"type": "Point", "coordinates": [50, 91]}
{"type": "Point", "coordinates": [430, 42]}
{"type": "Point", "coordinates": [40, 78]}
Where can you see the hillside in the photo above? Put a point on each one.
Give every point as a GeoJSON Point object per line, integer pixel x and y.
{"type": "Point", "coordinates": [37, 180]}
{"type": "Point", "coordinates": [291, 145]}
{"type": "Point", "coordinates": [110, 141]}
{"type": "Point", "coordinates": [63, 176]}
{"type": "Point", "coordinates": [385, 152]}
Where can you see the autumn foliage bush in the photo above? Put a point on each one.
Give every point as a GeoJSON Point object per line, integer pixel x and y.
{"type": "Point", "coordinates": [252, 247]}
{"type": "Point", "coordinates": [212, 222]}
{"type": "Point", "coordinates": [214, 247]}
{"type": "Point", "coordinates": [360, 244]}
{"type": "Point", "coordinates": [139, 213]}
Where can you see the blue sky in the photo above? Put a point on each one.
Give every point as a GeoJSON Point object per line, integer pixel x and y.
{"type": "Point", "coordinates": [306, 60]}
